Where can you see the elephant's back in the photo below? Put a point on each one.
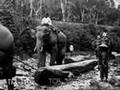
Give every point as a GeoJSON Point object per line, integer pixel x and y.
{"type": "Point", "coordinates": [6, 38]}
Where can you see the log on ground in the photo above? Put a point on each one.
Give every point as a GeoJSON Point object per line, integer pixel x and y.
{"type": "Point", "coordinates": [74, 59]}
{"type": "Point", "coordinates": [43, 75]}
{"type": "Point", "coordinates": [77, 58]}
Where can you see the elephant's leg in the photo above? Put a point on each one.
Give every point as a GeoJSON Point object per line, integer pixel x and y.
{"type": "Point", "coordinates": [53, 59]}
{"type": "Point", "coordinates": [54, 56]}
{"type": "Point", "coordinates": [42, 59]}
{"type": "Point", "coordinates": [60, 59]}
{"type": "Point", "coordinates": [61, 56]}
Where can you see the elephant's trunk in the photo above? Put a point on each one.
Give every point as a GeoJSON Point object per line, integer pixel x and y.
{"type": "Point", "coordinates": [39, 46]}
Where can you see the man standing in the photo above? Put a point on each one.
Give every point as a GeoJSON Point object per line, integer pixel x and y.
{"type": "Point", "coordinates": [71, 48]}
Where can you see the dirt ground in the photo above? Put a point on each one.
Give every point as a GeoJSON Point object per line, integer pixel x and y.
{"type": "Point", "coordinates": [86, 81]}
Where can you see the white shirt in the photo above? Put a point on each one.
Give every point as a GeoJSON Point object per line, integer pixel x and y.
{"type": "Point", "coordinates": [104, 34]}
{"type": "Point", "coordinates": [71, 48]}
{"type": "Point", "coordinates": [46, 21]}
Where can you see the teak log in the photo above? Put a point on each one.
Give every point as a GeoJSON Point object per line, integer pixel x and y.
{"type": "Point", "coordinates": [42, 75]}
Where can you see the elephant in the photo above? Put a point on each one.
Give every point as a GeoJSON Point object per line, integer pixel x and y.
{"type": "Point", "coordinates": [7, 70]}
{"type": "Point", "coordinates": [52, 42]}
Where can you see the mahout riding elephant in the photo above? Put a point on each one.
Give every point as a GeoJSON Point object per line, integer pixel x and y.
{"type": "Point", "coordinates": [7, 71]}
{"type": "Point", "coordinates": [52, 42]}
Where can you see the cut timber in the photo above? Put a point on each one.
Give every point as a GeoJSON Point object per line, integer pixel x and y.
{"type": "Point", "coordinates": [74, 59]}
{"type": "Point", "coordinates": [43, 75]}
{"type": "Point", "coordinates": [77, 58]}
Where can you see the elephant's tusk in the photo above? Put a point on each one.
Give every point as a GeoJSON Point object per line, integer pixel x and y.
{"type": "Point", "coordinates": [35, 49]}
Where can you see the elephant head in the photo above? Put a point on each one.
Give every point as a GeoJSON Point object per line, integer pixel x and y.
{"type": "Point", "coordinates": [51, 42]}
{"type": "Point", "coordinates": [41, 33]}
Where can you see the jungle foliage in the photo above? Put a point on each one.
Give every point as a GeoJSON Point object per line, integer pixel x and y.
{"type": "Point", "coordinates": [80, 20]}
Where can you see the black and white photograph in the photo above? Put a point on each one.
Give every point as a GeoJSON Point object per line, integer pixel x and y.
{"type": "Point", "coordinates": [59, 44]}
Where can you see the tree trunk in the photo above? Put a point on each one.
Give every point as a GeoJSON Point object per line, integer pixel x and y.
{"type": "Point", "coordinates": [39, 10]}
{"type": "Point", "coordinates": [82, 15]}
{"type": "Point", "coordinates": [96, 20]}
{"type": "Point", "coordinates": [43, 75]}
{"type": "Point", "coordinates": [63, 10]}
{"type": "Point", "coordinates": [31, 8]}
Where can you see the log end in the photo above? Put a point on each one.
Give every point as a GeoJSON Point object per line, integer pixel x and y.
{"type": "Point", "coordinates": [45, 76]}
